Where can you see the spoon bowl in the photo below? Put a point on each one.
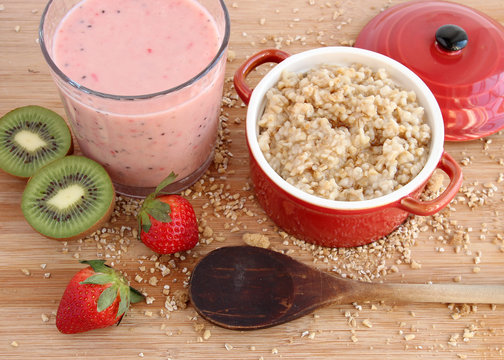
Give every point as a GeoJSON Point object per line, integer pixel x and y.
{"type": "Point", "coordinates": [249, 291]}
{"type": "Point", "coordinates": [246, 287]}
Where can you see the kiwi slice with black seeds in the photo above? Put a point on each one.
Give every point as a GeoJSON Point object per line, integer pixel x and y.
{"type": "Point", "coordinates": [69, 198]}
{"type": "Point", "coordinates": [31, 137]}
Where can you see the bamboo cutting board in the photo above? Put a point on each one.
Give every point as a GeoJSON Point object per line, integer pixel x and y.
{"type": "Point", "coordinates": [464, 244]}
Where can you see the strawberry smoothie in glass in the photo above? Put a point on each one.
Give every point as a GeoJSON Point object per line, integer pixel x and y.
{"type": "Point", "coordinates": [141, 82]}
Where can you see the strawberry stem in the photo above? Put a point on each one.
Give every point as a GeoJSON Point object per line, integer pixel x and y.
{"type": "Point", "coordinates": [98, 266]}
{"type": "Point", "coordinates": [167, 181]}
{"type": "Point", "coordinates": [154, 207]}
{"type": "Point", "coordinates": [135, 295]}
{"type": "Point", "coordinates": [107, 298]}
{"type": "Point", "coordinates": [105, 275]}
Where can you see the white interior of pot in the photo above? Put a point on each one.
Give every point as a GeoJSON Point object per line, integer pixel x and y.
{"type": "Point", "coordinates": [345, 56]}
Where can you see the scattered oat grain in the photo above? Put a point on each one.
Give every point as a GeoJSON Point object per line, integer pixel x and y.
{"type": "Point", "coordinates": [26, 272]}
{"type": "Point", "coordinates": [409, 337]}
{"type": "Point", "coordinates": [415, 265]}
{"type": "Point", "coordinates": [258, 240]}
{"type": "Point", "coordinates": [367, 323]}
{"type": "Point", "coordinates": [153, 281]}
{"type": "Point", "coordinates": [149, 300]}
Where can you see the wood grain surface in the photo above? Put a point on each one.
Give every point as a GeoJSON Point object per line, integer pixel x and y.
{"type": "Point", "coordinates": [464, 245]}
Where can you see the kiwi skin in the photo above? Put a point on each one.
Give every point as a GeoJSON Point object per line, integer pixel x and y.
{"type": "Point", "coordinates": [35, 113]}
{"type": "Point", "coordinates": [99, 222]}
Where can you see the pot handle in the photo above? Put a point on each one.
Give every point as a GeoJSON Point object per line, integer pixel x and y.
{"type": "Point", "coordinates": [262, 57]}
{"type": "Point", "coordinates": [426, 208]}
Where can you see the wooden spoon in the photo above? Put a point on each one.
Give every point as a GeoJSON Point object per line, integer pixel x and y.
{"type": "Point", "coordinates": [245, 287]}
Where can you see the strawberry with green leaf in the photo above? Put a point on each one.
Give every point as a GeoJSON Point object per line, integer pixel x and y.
{"type": "Point", "coordinates": [167, 223]}
{"type": "Point", "coordinates": [96, 297]}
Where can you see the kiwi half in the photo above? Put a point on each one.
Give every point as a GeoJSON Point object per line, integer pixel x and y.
{"type": "Point", "coordinates": [31, 137]}
{"type": "Point", "coordinates": [68, 198]}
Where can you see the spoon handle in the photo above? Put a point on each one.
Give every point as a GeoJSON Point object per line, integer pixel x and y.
{"type": "Point", "coordinates": [439, 293]}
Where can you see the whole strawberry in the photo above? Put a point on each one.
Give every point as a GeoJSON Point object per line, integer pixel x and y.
{"type": "Point", "coordinates": [167, 223]}
{"type": "Point", "coordinates": [96, 297]}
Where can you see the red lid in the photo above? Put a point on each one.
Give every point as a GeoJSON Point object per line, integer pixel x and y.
{"type": "Point", "coordinates": [463, 65]}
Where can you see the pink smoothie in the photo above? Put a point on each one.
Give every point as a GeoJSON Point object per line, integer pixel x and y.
{"type": "Point", "coordinates": [138, 47]}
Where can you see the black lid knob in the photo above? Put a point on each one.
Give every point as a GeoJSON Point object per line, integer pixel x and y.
{"type": "Point", "coordinates": [451, 37]}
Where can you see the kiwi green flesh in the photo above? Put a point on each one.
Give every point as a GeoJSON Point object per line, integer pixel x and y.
{"type": "Point", "coordinates": [68, 198]}
{"type": "Point", "coordinates": [31, 137]}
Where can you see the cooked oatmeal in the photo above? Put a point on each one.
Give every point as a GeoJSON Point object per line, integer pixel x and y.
{"type": "Point", "coordinates": [343, 133]}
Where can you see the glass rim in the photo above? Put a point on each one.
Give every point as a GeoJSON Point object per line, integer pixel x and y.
{"type": "Point", "coordinates": [68, 80]}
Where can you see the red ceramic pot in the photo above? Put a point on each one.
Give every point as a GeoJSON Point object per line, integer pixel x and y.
{"type": "Point", "coordinates": [341, 223]}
